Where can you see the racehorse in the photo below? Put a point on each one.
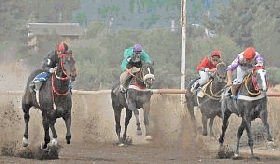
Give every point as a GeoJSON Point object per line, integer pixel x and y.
{"type": "Point", "coordinates": [137, 96]}
{"type": "Point", "coordinates": [250, 103]}
{"type": "Point", "coordinates": [207, 99]}
{"type": "Point", "coordinates": [54, 92]}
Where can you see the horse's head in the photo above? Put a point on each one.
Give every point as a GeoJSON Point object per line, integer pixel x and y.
{"type": "Point", "coordinates": [259, 78]}
{"type": "Point", "coordinates": [66, 67]}
{"type": "Point", "coordinates": [148, 75]}
{"type": "Point", "coordinates": [221, 72]}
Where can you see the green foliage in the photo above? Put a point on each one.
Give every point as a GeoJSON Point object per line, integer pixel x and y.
{"type": "Point", "coordinates": [273, 75]}
{"type": "Point", "coordinates": [81, 19]}
{"type": "Point", "coordinates": [95, 28]}
{"type": "Point", "coordinates": [111, 10]}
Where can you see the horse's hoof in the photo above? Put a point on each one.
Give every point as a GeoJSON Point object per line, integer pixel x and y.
{"type": "Point", "coordinates": [139, 132]}
{"type": "Point", "coordinates": [54, 141]}
{"type": "Point", "coordinates": [121, 144]}
{"type": "Point", "coordinates": [24, 142]}
{"type": "Point", "coordinates": [204, 133]}
{"type": "Point", "coordinates": [128, 140]}
{"type": "Point", "coordinates": [236, 157]}
{"type": "Point", "coordinates": [271, 145]}
{"type": "Point", "coordinates": [44, 146]}
{"type": "Point", "coordinates": [149, 138]}
{"type": "Point", "coordinates": [255, 158]}
{"type": "Point", "coordinates": [68, 139]}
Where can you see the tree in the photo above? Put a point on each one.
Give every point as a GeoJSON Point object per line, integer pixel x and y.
{"type": "Point", "coordinates": [81, 19]}
{"type": "Point", "coordinates": [15, 14]}
{"type": "Point", "coordinates": [253, 23]}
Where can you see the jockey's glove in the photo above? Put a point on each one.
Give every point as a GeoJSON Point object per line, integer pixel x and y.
{"type": "Point", "coordinates": [128, 71]}
{"type": "Point", "coordinates": [52, 70]}
{"type": "Point", "coordinates": [128, 59]}
{"type": "Point", "coordinates": [205, 69]}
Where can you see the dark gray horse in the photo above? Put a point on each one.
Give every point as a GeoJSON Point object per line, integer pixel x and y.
{"type": "Point", "coordinates": [250, 104]}
{"type": "Point", "coordinates": [55, 91]}
{"type": "Point", "coordinates": [209, 101]}
{"type": "Point", "coordinates": [138, 96]}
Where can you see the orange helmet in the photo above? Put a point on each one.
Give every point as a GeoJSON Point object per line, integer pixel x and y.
{"type": "Point", "coordinates": [216, 53]}
{"type": "Point", "coordinates": [249, 53]}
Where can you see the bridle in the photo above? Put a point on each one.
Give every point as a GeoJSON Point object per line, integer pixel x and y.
{"type": "Point", "coordinates": [143, 77]}
{"type": "Point", "coordinates": [254, 81]}
{"type": "Point", "coordinates": [67, 78]}
{"type": "Point", "coordinates": [212, 95]}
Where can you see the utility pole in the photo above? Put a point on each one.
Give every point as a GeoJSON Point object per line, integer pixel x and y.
{"type": "Point", "coordinates": [183, 24]}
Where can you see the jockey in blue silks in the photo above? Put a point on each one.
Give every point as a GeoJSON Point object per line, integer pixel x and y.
{"type": "Point", "coordinates": [49, 66]}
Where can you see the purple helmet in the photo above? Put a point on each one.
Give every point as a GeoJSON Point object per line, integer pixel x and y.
{"type": "Point", "coordinates": [137, 48]}
{"type": "Point", "coordinates": [260, 59]}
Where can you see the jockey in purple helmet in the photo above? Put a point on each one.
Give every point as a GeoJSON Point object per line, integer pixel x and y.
{"type": "Point", "coordinates": [133, 59]}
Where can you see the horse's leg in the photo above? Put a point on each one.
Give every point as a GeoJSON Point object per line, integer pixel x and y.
{"type": "Point", "coordinates": [226, 116]}
{"type": "Point", "coordinates": [190, 107]}
{"type": "Point", "coordinates": [25, 108]}
{"type": "Point", "coordinates": [263, 117]}
{"type": "Point", "coordinates": [117, 113]}
{"type": "Point", "coordinates": [67, 120]}
{"type": "Point", "coordinates": [204, 124]}
{"type": "Point", "coordinates": [250, 137]}
{"type": "Point", "coordinates": [136, 114]}
{"type": "Point", "coordinates": [46, 124]}
{"type": "Point", "coordinates": [239, 134]}
{"type": "Point", "coordinates": [211, 126]}
{"type": "Point", "coordinates": [127, 119]}
{"type": "Point", "coordinates": [146, 108]}
{"type": "Point", "coordinates": [131, 105]}
{"type": "Point", "coordinates": [52, 117]}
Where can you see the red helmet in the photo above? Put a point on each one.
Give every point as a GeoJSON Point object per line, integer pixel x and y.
{"type": "Point", "coordinates": [63, 47]}
{"type": "Point", "coordinates": [249, 53]}
{"type": "Point", "coordinates": [216, 53]}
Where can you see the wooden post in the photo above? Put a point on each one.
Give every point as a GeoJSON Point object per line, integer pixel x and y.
{"type": "Point", "coordinates": [183, 24]}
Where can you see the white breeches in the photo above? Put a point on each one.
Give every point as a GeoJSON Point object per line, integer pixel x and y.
{"type": "Point", "coordinates": [204, 77]}
{"type": "Point", "coordinates": [240, 73]}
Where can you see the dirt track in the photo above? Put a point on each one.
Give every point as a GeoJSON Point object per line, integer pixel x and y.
{"type": "Point", "coordinates": [94, 137]}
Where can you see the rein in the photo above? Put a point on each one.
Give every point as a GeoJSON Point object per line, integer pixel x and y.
{"type": "Point", "coordinates": [62, 67]}
{"type": "Point", "coordinates": [139, 78]}
{"type": "Point", "coordinates": [215, 96]}
{"type": "Point", "coordinates": [142, 78]}
{"type": "Point", "coordinates": [60, 78]}
{"type": "Point", "coordinates": [246, 82]}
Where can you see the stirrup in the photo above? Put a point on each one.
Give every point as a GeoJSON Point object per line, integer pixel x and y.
{"type": "Point", "coordinates": [194, 87]}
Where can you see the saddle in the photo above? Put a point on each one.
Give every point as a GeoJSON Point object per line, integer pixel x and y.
{"type": "Point", "coordinates": [202, 89]}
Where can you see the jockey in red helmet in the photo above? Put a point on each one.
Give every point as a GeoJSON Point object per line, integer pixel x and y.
{"type": "Point", "coordinates": [205, 68]}
{"type": "Point", "coordinates": [49, 66]}
{"type": "Point", "coordinates": [243, 63]}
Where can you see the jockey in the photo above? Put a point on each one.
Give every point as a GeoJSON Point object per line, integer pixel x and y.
{"type": "Point", "coordinates": [243, 63]}
{"type": "Point", "coordinates": [132, 62]}
{"type": "Point", "coordinates": [205, 68]}
{"type": "Point", "coordinates": [49, 66]}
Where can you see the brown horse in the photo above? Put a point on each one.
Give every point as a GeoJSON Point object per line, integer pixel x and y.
{"type": "Point", "coordinates": [54, 92]}
{"type": "Point", "coordinates": [138, 96]}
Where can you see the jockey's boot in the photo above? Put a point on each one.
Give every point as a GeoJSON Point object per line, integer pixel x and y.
{"type": "Point", "coordinates": [194, 86]}
{"type": "Point", "coordinates": [38, 85]}
{"type": "Point", "coordinates": [31, 86]}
